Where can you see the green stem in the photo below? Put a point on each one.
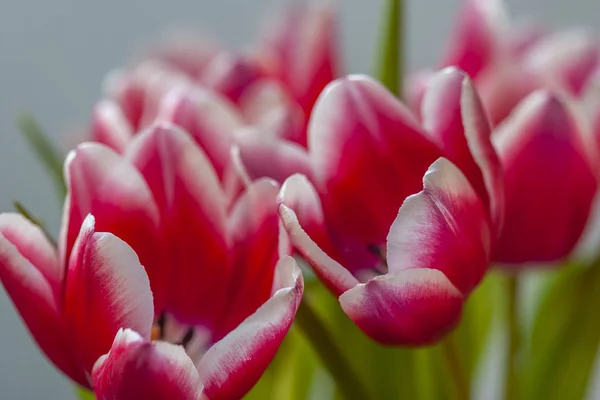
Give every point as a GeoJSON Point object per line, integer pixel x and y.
{"type": "Point", "coordinates": [390, 68]}
{"type": "Point", "coordinates": [510, 383]}
{"type": "Point", "coordinates": [332, 358]}
{"type": "Point", "coordinates": [456, 368]}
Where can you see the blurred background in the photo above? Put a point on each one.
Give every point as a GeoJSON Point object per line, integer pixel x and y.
{"type": "Point", "coordinates": [55, 54]}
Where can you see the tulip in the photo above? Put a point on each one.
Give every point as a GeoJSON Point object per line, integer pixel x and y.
{"type": "Point", "coordinates": [549, 179]}
{"type": "Point", "coordinates": [508, 63]}
{"type": "Point", "coordinates": [369, 155]}
{"type": "Point", "coordinates": [164, 199]}
{"type": "Point", "coordinates": [158, 370]}
{"type": "Point", "coordinates": [73, 308]}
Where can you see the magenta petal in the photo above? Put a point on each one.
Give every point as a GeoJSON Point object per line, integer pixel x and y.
{"type": "Point", "coordinates": [233, 365]}
{"type": "Point", "coordinates": [334, 276]}
{"type": "Point", "coordinates": [231, 74]}
{"type": "Point", "coordinates": [253, 229]}
{"type": "Point", "coordinates": [453, 115]}
{"type": "Point", "coordinates": [413, 307]}
{"type": "Point", "coordinates": [106, 289]}
{"type": "Point", "coordinates": [136, 368]}
{"type": "Point", "coordinates": [474, 40]}
{"type": "Point", "coordinates": [208, 118]}
{"type": "Point", "coordinates": [444, 227]}
{"type": "Point", "coordinates": [192, 206]}
{"type": "Point", "coordinates": [106, 185]}
{"type": "Point", "coordinates": [110, 126]}
{"type": "Point", "coordinates": [549, 181]}
{"type": "Point", "coordinates": [273, 158]}
{"type": "Point", "coordinates": [34, 297]}
{"type": "Point", "coordinates": [369, 153]}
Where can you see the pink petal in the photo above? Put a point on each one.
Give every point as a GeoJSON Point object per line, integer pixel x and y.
{"type": "Point", "coordinates": [416, 86]}
{"type": "Point", "coordinates": [253, 229]}
{"type": "Point", "coordinates": [106, 185]}
{"type": "Point", "coordinates": [549, 182]}
{"type": "Point", "coordinates": [110, 126]}
{"type": "Point", "coordinates": [474, 41]}
{"type": "Point", "coordinates": [192, 207]}
{"type": "Point", "coordinates": [302, 50]}
{"type": "Point", "coordinates": [33, 295]}
{"type": "Point", "coordinates": [32, 243]}
{"type": "Point", "coordinates": [230, 75]}
{"type": "Point", "coordinates": [207, 117]}
{"type": "Point", "coordinates": [233, 365]}
{"type": "Point", "coordinates": [566, 59]}
{"type": "Point", "coordinates": [369, 153]}
{"type": "Point", "coordinates": [136, 368]}
{"type": "Point", "coordinates": [413, 307]}
{"type": "Point", "coordinates": [337, 278]}
{"type": "Point", "coordinates": [129, 94]}
{"type": "Point", "coordinates": [106, 289]}
{"type": "Point", "coordinates": [444, 227]}
{"type": "Point", "coordinates": [267, 105]}
{"type": "Point", "coordinates": [454, 117]}
{"type": "Point", "coordinates": [273, 158]}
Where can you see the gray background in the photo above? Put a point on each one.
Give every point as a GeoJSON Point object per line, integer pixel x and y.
{"type": "Point", "coordinates": [55, 53]}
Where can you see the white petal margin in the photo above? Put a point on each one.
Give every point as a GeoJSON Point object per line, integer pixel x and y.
{"type": "Point", "coordinates": [299, 198]}
{"type": "Point", "coordinates": [136, 368]}
{"type": "Point", "coordinates": [232, 366]}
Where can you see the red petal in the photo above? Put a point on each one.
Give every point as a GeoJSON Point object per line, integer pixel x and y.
{"type": "Point", "coordinates": [412, 307]}
{"type": "Point", "coordinates": [107, 289]}
{"type": "Point", "coordinates": [192, 206]}
{"type": "Point", "coordinates": [253, 229]}
{"type": "Point", "coordinates": [369, 154]}
{"type": "Point", "coordinates": [33, 295]}
{"type": "Point", "coordinates": [549, 182]}
{"type": "Point", "coordinates": [110, 126]}
{"type": "Point", "coordinates": [136, 368]}
{"type": "Point", "coordinates": [233, 365]}
{"type": "Point", "coordinates": [474, 41]}
{"type": "Point", "coordinates": [208, 118]}
{"type": "Point", "coordinates": [106, 185]}
{"type": "Point", "coordinates": [454, 117]}
{"type": "Point", "coordinates": [444, 227]}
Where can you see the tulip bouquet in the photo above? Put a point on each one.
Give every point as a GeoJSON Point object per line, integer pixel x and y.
{"type": "Point", "coordinates": [258, 224]}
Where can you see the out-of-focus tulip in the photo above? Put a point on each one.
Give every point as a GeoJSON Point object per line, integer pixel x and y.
{"type": "Point", "coordinates": [549, 179]}
{"type": "Point", "coordinates": [369, 153]}
{"type": "Point", "coordinates": [159, 370]}
{"type": "Point", "coordinates": [74, 307]}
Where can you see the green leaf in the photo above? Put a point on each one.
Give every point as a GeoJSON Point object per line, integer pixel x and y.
{"type": "Point", "coordinates": [83, 394]}
{"type": "Point", "coordinates": [565, 336]}
{"type": "Point", "coordinates": [49, 156]}
{"type": "Point", "coordinates": [36, 221]}
{"type": "Point", "coordinates": [390, 65]}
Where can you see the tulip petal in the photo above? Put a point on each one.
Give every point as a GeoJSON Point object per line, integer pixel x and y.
{"type": "Point", "coordinates": [106, 289]}
{"type": "Point", "coordinates": [549, 182]}
{"type": "Point", "coordinates": [110, 126]}
{"type": "Point", "coordinates": [454, 117]}
{"type": "Point", "coordinates": [474, 40]}
{"type": "Point", "coordinates": [34, 296]}
{"type": "Point", "coordinates": [106, 185]}
{"type": "Point", "coordinates": [253, 229]}
{"type": "Point", "coordinates": [233, 365]}
{"type": "Point", "coordinates": [192, 206]}
{"type": "Point", "coordinates": [413, 307]}
{"type": "Point", "coordinates": [231, 74]}
{"type": "Point", "coordinates": [444, 227]}
{"type": "Point", "coordinates": [337, 278]}
{"type": "Point", "coordinates": [272, 158]}
{"type": "Point", "coordinates": [33, 244]}
{"type": "Point", "coordinates": [208, 118]}
{"type": "Point", "coordinates": [369, 153]}
{"type": "Point", "coordinates": [136, 368]}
